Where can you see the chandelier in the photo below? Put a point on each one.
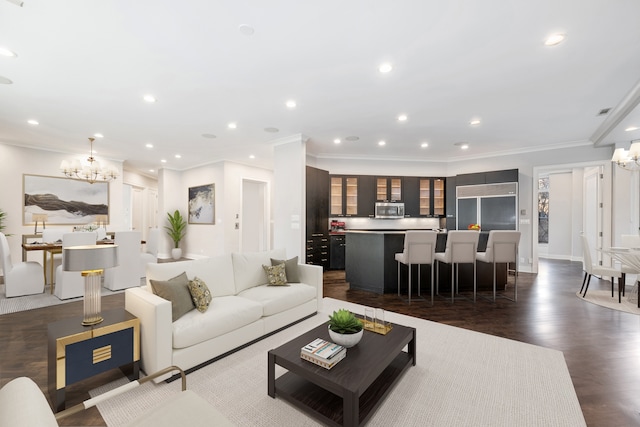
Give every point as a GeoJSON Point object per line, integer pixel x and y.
{"type": "Point", "coordinates": [91, 172]}
{"type": "Point", "coordinates": [628, 159]}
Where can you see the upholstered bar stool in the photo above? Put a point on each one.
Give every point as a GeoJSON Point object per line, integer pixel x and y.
{"type": "Point", "coordinates": [628, 241]}
{"type": "Point", "coordinates": [461, 248]}
{"type": "Point", "coordinates": [419, 248]}
{"type": "Point", "coordinates": [502, 247]}
{"type": "Point", "coordinates": [590, 269]}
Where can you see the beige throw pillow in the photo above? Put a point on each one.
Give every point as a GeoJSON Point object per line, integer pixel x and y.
{"type": "Point", "coordinates": [175, 290]}
{"type": "Point", "coordinates": [276, 274]}
{"type": "Point", "coordinates": [290, 267]}
{"type": "Point", "coordinates": [200, 294]}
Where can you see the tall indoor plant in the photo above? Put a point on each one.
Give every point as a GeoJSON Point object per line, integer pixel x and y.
{"type": "Point", "coordinates": [176, 230]}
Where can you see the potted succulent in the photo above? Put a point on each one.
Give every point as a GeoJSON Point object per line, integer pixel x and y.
{"type": "Point", "coordinates": [345, 328]}
{"type": "Point", "coordinates": [176, 231]}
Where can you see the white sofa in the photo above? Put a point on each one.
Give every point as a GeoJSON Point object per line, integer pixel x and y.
{"type": "Point", "coordinates": [243, 308]}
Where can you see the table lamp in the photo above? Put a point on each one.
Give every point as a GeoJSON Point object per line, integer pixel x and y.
{"type": "Point", "coordinates": [91, 260]}
{"type": "Point", "coordinates": [101, 220]}
{"type": "Point", "coordinates": [39, 217]}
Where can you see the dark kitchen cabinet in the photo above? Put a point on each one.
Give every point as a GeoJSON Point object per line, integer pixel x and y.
{"type": "Point", "coordinates": [317, 215]}
{"type": "Point", "coordinates": [352, 195]}
{"type": "Point", "coordinates": [337, 244]}
{"type": "Point", "coordinates": [424, 197]}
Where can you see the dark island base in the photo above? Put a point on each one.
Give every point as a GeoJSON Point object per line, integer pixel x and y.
{"type": "Point", "coordinates": [371, 266]}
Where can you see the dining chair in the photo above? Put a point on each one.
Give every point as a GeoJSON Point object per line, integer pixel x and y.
{"type": "Point", "coordinates": [502, 247]}
{"type": "Point", "coordinates": [419, 248]}
{"type": "Point", "coordinates": [150, 253]}
{"type": "Point", "coordinates": [23, 278]}
{"type": "Point", "coordinates": [591, 269]}
{"type": "Point", "coordinates": [461, 248]}
{"type": "Point", "coordinates": [127, 273]}
{"type": "Point", "coordinates": [628, 241]}
{"type": "Point", "coordinates": [70, 284]}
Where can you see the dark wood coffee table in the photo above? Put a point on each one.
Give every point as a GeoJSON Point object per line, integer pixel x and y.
{"type": "Point", "coordinates": [348, 393]}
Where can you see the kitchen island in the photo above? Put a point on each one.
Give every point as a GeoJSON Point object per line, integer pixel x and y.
{"type": "Point", "coordinates": [370, 264]}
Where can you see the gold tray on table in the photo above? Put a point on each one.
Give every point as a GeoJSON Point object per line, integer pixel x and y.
{"type": "Point", "coordinates": [376, 327]}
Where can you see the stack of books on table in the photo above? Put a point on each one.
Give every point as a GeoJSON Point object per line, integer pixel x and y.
{"type": "Point", "coordinates": [323, 353]}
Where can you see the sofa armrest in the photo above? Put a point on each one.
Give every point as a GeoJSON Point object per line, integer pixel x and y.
{"type": "Point", "coordinates": [312, 275]}
{"type": "Point", "coordinates": [156, 329]}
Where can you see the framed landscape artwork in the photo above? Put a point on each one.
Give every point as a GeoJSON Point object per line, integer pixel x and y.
{"type": "Point", "coordinates": [63, 200]}
{"type": "Point", "coordinates": [202, 204]}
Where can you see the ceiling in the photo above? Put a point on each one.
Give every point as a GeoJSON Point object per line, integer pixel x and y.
{"type": "Point", "coordinates": [83, 67]}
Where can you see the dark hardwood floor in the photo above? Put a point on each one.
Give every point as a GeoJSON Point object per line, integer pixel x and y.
{"type": "Point", "coordinates": [601, 346]}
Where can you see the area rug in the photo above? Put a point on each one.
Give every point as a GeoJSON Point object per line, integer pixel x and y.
{"type": "Point", "coordinates": [30, 302]}
{"type": "Point", "coordinates": [603, 298]}
{"type": "Point", "coordinates": [462, 378]}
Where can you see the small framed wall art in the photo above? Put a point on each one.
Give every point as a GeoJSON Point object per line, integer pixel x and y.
{"type": "Point", "coordinates": [202, 204]}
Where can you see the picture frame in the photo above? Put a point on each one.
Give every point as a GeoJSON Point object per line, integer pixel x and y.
{"type": "Point", "coordinates": [65, 201]}
{"type": "Point", "coordinates": [201, 205]}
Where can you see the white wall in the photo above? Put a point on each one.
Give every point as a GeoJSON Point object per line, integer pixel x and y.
{"type": "Point", "coordinates": [17, 161]}
{"type": "Point", "coordinates": [560, 215]}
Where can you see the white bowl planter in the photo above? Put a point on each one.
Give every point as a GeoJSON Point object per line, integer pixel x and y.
{"type": "Point", "coordinates": [346, 340]}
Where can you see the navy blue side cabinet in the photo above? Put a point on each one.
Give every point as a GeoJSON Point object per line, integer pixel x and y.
{"type": "Point", "coordinates": [77, 352]}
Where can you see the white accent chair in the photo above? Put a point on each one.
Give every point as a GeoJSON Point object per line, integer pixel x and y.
{"type": "Point", "coordinates": [70, 284]}
{"type": "Point", "coordinates": [461, 248]}
{"type": "Point", "coordinates": [419, 248]}
{"type": "Point", "coordinates": [150, 255]}
{"type": "Point", "coordinates": [590, 269]}
{"type": "Point", "coordinates": [23, 278]}
{"type": "Point", "coordinates": [127, 273]}
{"type": "Point", "coordinates": [52, 235]}
{"type": "Point", "coordinates": [502, 247]}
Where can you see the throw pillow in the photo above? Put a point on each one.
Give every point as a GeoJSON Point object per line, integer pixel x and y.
{"type": "Point", "coordinates": [291, 268]}
{"type": "Point", "coordinates": [276, 274]}
{"type": "Point", "coordinates": [200, 294]}
{"type": "Point", "coordinates": [175, 290]}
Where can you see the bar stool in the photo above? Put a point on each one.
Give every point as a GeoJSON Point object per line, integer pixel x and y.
{"type": "Point", "coordinates": [590, 269]}
{"type": "Point", "coordinates": [502, 247]}
{"type": "Point", "coordinates": [419, 248]}
{"type": "Point", "coordinates": [461, 248]}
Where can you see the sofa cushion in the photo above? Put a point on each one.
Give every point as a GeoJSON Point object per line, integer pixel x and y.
{"type": "Point", "coordinates": [200, 294]}
{"type": "Point", "coordinates": [217, 272]}
{"type": "Point", "coordinates": [225, 314]}
{"type": "Point", "coordinates": [175, 290]}
{"type": "Point", "coordinates": [276, 299]}
{"type": "Point", "coordinates": [291, 268]}
{"type": "Point", "coordinates": [247, 267]}
{"type": "Point", "coordinates": [276, 275]}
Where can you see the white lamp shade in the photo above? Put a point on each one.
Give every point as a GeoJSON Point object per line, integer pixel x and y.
{"type": "Point", "coordinates": [89, 257]}
{"type": "Point", "coordinates": [634, 150]}
{"type": "Point", "coordinates": [619, 155]}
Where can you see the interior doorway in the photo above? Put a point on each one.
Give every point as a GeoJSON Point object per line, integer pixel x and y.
{"type": "Point", "coordinates": [254, 219]}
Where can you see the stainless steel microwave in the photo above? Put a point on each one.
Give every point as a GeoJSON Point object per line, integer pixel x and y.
{"type": "Point", "coordinates": [389, 210]}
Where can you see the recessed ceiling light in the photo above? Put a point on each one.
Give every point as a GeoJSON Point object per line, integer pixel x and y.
{"type": "Point", "coordinates": [149, 145]}
{"type": "Point", "coordinates": [271, 130]}
{"type": "Point", "coordinates": [151, 170]}
{"type": "Point", "coordinates": [337, 141]}
{"type": "Point", "coordinates": [291, 103]}
{"type": "Point", "coordinates": [555, 39]}
{"type": "Point", "coordinates": [352, 138]}
{"type": "Point", "coordinates": [5, 81]}
{"type": "Point", "coordinates": [163, 161]}
{"type": "Point", "coordinates": [149, 98]}
{"type": "Point", "coordinates": [208, 135]}
{"type": "Point", "coordinates": [251, 156]}
{"type": "Point", "coordinates": [402, 118]}
{"type": "Point", "coordinates": [474, 122]}
{"type": "Point", "coordinates": [246, 30]}
{"type": "Point", "coordinates": [424, 145]}
{"type": "Point", "coordinates": [6, 52]}
{"type": "Point", "coordinates": [232, 125]}
{"type": "Point", "coordinates": [385, 67]}
{"type": "Point", "coordinates": [33, 122]}
{"type": "Point", "coordinates": [381, 143]}
{"type": "Point", "coordinates": [631, 128]}
{"type": "Point", "coordinates": [98, 135]}
{"type": "Point", "coordinates": [178, 156]}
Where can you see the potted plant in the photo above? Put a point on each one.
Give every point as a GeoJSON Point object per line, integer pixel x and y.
{"type": "Point", "coordinates": [345, 328]}
{"type": "Point", "coordinates": [176, 231]}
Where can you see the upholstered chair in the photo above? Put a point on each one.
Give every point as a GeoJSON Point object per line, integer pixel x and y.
{"type": "Point", "coordinates": [23, 278]}
{"type": "Point", "coordinates": [502, 247]}
{"type": "Point", "coordinates": [461, 248]}
{"type": "Point", "coordinates": [419, 248]}
{"type": "Point", "coordinates": [70, 284]}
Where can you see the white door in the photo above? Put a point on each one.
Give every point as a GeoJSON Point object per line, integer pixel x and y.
{"type": "Point", "coordinates": [254, 218]}
{"type": "Point", "coordinates": [592, 210]}
{"type": "Point", "coordinates": [137, 211]}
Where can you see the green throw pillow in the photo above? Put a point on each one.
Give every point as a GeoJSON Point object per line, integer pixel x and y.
{"type": "Point", "coordinates": [175, 290]}
{"type": "Point", "coordinates": [276, 274]}
{"type": "Point", "coordinates": [200, 294]}
{"type": "Point", "coordinates": [291, 268]}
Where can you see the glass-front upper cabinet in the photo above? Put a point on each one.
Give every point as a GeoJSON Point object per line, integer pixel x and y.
{"type": "Point", "coordinates": [388, 189]}
{"type": "Point", "coordinates": [431, 197]}
{"type": "Point", "coordinates": [344, 196]}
